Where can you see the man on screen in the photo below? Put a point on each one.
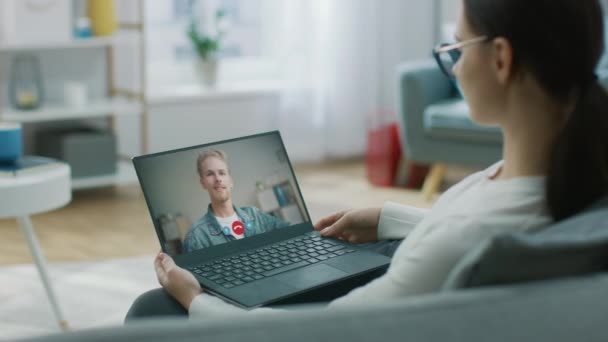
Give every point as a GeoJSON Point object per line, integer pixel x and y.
{"type": "Point", "coordinates": [223, 221]}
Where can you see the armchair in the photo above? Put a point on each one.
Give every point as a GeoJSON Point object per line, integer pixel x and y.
{"type": "Point", "coordinates": [435, 124]}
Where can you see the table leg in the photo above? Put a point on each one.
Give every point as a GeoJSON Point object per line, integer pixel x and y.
{"type": "Point", "coordinates": [28, 230]}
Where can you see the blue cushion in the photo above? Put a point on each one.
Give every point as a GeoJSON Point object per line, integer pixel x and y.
{"type": "Point", "coordinates": [449, 119]}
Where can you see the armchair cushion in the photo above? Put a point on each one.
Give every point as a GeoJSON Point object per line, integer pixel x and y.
{"type": "Point", "coordinates": [573, 247]}
{"type": "Point", "coordinates": [449, 119]}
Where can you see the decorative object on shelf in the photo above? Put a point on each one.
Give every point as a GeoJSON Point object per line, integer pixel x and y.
{"type": "Point", "coordinates": [35, 21]}
{"type": "Point", "coordinates": [267, 200]}
{"type": "Point", "coordinates": [11, 142]}
{"type": "Point", "coordinates": [89, 152]}
{"type": "Point", "coordinates": [284, 194]}
{"type": "Point", "coordinates": [75, 94]}
{"type": "Point", "coordinates": [207, 45]}
{"type": "Point", "coordinates": [278, 198]}
{"type": "Point", "coordinates": [260, 185]}
{"type": "Point", "coordinates": [25, 86]}
{"type": "Point", "coordinates": [82, 29]}
{"type": "Point", "coordinates": [170, 234]}
{"type": "Point", "coordinates": [208, 71]}
{"type": "Point", "coordinates": [174, 227]}
{"type": "Point", "coordinates": [103, 17]}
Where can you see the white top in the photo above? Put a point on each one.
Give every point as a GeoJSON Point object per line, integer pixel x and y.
{"type": "Point", "coordinates": [467, 214]}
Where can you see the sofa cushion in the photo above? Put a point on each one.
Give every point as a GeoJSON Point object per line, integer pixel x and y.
{"type": "Point", "coordinates": [450, 119]}
{"type": "Point", "coordinates": [569, 310]}
{"type": "Point", "coordinates": [571, 248]}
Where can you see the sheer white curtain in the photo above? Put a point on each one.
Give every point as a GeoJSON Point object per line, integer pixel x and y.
{"type": "Point", "coordinates": [329, 61]}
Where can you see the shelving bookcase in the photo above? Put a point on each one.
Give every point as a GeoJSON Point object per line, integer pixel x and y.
{"type": "Point", "coordinates": [117, 102]}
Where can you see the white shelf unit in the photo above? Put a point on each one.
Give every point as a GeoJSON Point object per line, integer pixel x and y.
{"type": "Point", "coordinates": [119, 102]}
{"type": "Point", "coordinates": [99, 108]}
{"type": "Point", "coordinates": [196, 92]}
{"type": "Point", "coordinates": [76, 43]}
{"type": "Point", "coordinates": [125, 174]}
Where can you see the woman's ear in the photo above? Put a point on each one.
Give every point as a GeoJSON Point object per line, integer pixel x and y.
{"type": "Point", "coordinates": [502, 59]}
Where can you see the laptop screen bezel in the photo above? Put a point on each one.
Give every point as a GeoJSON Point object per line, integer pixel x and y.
{"type": "Point", "coordinates": [232, 247]}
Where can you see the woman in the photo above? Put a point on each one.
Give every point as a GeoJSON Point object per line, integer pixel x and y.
{"type": "Point", "coordinates": [527, 66]}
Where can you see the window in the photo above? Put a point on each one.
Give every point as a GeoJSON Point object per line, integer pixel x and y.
{"type": "Point", "coordinates": [248, 40]}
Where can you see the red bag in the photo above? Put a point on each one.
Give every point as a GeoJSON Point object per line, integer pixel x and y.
{"type": "Point", "coordinates": [385, 161]}
{"type": "Point", "coordinates": [383, 154]}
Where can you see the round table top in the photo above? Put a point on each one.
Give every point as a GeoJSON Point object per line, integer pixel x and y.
{"type": "Point", "coordinates": [35, 191]}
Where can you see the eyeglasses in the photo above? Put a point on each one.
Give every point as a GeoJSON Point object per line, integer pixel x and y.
{"type": "Point", "coordinates": [447, 55]}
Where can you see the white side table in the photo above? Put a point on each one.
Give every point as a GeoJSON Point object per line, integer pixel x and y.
{"type": "Point", "coordinates": [37, 191]}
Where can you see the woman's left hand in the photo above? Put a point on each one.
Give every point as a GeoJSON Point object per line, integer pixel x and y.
{"type": "Point", "coordinates": [178, 282]}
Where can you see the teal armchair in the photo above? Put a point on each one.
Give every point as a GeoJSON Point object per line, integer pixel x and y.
{"type": "Point", "coordinates": [435, 124]}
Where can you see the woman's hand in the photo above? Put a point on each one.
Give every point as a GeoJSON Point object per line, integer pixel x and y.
{"type": "Point", "coordinates": [354, 226]}
{"type": "Point", "coordinates": [178, 282]}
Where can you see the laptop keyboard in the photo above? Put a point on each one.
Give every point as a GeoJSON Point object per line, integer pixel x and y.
{"type": "Point", "coordinates": [268, 261]}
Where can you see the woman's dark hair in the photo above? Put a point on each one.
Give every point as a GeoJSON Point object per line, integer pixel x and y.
{"type": "Point", "coordinates": [560, 43]}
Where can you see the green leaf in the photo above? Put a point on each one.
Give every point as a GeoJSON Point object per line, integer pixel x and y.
{"type": "Point", "coordinates": [204, 44]}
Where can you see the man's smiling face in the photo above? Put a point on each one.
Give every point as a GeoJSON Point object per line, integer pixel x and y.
{"type": "Point", "coordinates": [216, 179]}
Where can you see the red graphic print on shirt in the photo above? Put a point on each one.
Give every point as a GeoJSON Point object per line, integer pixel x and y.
{"type": "Point", "coordinates": [238, 228]}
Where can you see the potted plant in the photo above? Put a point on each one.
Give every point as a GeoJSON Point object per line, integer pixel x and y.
{"type": "Point", "coordinates": [207, 45]}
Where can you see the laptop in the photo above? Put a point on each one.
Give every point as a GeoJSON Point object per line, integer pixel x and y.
{"type": "Point", "coordinates": [263, 251]}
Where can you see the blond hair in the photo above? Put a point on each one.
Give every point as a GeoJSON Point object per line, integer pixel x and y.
{"type": "Point", "coordinates": [219, 154]}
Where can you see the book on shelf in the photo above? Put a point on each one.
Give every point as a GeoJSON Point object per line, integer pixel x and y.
{"type": "Point", "coordinates": [28, 165]}
{"type": "Point", "coordinates": [284, 194]}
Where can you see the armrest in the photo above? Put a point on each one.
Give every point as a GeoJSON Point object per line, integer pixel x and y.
{"type": "Point", "coordinates": [419, 84]}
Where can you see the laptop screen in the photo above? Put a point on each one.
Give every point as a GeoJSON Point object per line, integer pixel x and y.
{"type": "Point", "coordinates": [212, 194]}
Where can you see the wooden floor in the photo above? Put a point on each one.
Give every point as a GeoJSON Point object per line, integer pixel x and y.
{"type": "Point", "coordinates": [114, 222]}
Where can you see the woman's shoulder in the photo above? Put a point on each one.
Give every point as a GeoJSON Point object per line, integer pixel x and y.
{"type": "Point", "coordinates": [455, 227]}
{"type": "Point", "coordinates": [483, 175]}
{"type": "Point", "coordinates": [474, 179]}
{"type": "Point", "coordinates": [481, 189]}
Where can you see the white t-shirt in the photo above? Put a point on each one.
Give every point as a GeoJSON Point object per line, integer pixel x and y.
{"type": "Point", "coordinates": [232, 226]}
{"type": "Point", "coordinates": [470, 212]}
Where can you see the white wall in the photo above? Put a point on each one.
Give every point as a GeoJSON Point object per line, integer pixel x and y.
{"type": "Point", "coordinates": [194, 122]}
{"type": "Point", "coordinates": [405, 32]}
{"type": "Point", "coordinates": [172, 184]}
{"type": "Point", "coordinates": [450, 10]}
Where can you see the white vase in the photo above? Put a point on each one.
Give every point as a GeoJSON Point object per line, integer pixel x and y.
{"type": "Point", "coordinates": [207, 70]}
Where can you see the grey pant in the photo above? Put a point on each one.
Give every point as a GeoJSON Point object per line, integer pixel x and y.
{"type": "Point", "coordinates": [158, 302]}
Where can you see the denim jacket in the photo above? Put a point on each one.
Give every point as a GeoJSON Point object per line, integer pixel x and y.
{"type": "Point", "coordinates": [207, 231]}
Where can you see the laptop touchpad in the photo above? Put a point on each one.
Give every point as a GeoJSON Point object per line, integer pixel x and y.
{"type": "Point", "coordinates": [311, 276]}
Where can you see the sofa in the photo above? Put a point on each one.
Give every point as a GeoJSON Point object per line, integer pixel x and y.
{"type": "Point", "coordinates": [546, 286]}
